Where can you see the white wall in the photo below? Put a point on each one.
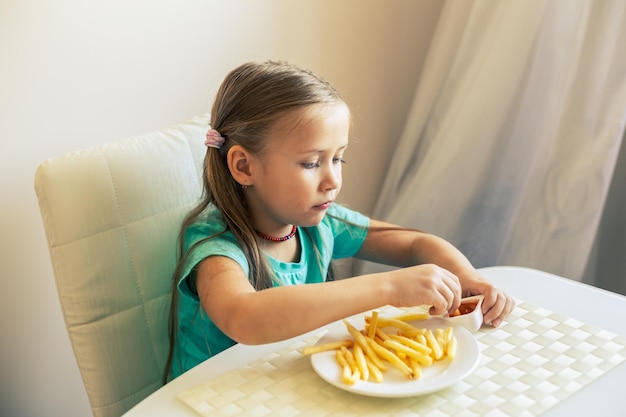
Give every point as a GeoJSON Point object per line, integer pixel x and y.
{"type": "Point", "coordinates": [76, 73]}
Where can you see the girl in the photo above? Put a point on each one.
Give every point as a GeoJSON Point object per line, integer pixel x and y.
{"type": "Point", "coordinates": [268, 222]}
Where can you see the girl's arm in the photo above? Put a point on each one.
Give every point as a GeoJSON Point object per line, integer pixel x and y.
{"type": "Point", "coordinates": [433, 272]}
{"type": "Point", "coordinates": [388, 244]}
{"type": "Point", "coordinates": [253, 317]}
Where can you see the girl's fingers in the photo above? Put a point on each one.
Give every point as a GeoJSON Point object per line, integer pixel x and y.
{"type": "Point", "coordinates": [448, 297]}
{"type": "Point", "coordinates": [454, 299]}
{"type": "Point", "coordinates": [501, 308]}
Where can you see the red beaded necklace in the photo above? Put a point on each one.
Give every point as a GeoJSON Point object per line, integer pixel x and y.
{"type": "Point", "coordinates": [279, 239]}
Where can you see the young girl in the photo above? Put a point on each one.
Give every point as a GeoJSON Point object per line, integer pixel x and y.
{"type": "Point", "coordinates": [268, 223]}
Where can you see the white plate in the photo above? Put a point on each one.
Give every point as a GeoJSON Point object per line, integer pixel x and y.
{"type": "Point", "coordinates": [436, 377]}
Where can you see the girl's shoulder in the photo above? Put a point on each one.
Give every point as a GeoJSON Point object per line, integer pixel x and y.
{"type": "Point", "coordinates": [210, 219]}
{"type": "Point", "coordinates": [208, 224]}
{"type": "Point", "coordinates": [343, 230]}
{"type": "Point", "coordinates": [339, 215]}
{"type": "Point", "coordinates": [209, 235]}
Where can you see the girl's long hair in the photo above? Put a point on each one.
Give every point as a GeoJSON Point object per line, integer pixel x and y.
{"type": "Point", "coordinates": [250, 100]}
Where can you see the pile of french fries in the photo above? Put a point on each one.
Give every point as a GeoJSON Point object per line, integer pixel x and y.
{"type": "Point", "coordinates": [389, 341]}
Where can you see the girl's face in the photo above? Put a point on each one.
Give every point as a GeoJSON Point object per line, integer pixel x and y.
{"type": "Point", "coordinates": [298, 175]}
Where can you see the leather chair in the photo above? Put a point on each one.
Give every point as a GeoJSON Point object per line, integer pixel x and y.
{"type": "Point", "coordinates": [112, 215]}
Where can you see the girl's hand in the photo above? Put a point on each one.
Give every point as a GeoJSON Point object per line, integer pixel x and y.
{"type": "Point", "coordinates": [426, 285]}
{"type": "Point", "coordinates": [496, 306]}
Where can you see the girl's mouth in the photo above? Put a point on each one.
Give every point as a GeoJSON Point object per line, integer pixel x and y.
{"type": "Point", "coordinates": [323, 206]}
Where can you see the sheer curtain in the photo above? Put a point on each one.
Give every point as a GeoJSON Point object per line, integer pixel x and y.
{"type": "Point", "coordinates": [514, 132]}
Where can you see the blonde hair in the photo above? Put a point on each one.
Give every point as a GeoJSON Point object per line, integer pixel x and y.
{"type": "Point", "coordinates": [250, 101]}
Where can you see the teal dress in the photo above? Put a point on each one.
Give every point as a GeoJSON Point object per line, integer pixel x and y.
{"type": "Point", "coordinates": [339, 235]}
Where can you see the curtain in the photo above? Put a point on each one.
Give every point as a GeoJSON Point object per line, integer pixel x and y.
{"type": "Point", "coordinates": [513, 135]}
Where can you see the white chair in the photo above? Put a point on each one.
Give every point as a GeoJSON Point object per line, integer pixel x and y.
{"type": "Point", "coordinates": [112, 215]}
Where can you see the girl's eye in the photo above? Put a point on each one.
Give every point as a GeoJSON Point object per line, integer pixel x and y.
{"type": "Point", "coordinates": [317, 164]}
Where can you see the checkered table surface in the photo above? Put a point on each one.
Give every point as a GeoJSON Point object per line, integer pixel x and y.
{"type": "Point", "coordinates": [534, 360]}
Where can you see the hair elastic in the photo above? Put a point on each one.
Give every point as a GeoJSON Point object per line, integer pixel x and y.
{"type": "Point", "coordinates": [214, 139]}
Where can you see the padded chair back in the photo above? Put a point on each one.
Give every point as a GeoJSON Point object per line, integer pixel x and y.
{"type": "Point", "coordinates": [111, 216]}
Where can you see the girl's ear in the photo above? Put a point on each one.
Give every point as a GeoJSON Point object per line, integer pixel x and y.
{"type": "Point", "coordinates": [238, 160]}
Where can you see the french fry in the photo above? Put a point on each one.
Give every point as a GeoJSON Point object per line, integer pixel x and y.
{"type": "Point", "coordinates": [400, 348]}
{"type": "Point", "coordinates": [451, 348]}
{"type": "Point", "coordinates": [437, 353]}
{"type": "Point", "coordinates": [350, 359]}
{"type": "Point", "coordinates": [373, 325]}
{"type": "Point", "coordinates": [382, 335]}
{"type": "Point", "coordinates": [346, 372]}
{"type": "Point", "coordinates": [413, 344]}
{"type": "Point", "coordinates": [354, 369]}
{"type": "Point", "coordinates": [361, 363]}
{"type": "Point", "coordinates": [421, 339]}
{"type": "Point", "coordinates": [449, 334]}
{"type": "Point", "coordinates": [413, 316]}
{"type": "Point", "coordinates": [415, 332]}
{"type": "Point", "coordinates": [362, 340]}
{"type": "Point", "coordinates": [407, 348]}
{"type": "Point", "coordinates": [440, 335]}
{"type": "Point", "coordinates": [388, 322]}
{"type": "Point", "coordinates": [392, 359]}
{"type": "Point", "coordinates": [310, 350]}
{"type": "Point", "coordinates": [415, 366]}
{"type": "Point", "coordinates": [375, 372]}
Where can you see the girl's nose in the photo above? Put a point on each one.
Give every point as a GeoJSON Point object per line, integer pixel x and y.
{"type": "Point", "coordinates": [332, 178]}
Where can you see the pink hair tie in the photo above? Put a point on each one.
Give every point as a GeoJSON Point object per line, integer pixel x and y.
{"type": "Point", "coordinates": [214, 139]}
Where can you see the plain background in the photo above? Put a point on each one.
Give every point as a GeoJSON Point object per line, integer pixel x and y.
{"type": "Point", "coordinates": [79, 73]}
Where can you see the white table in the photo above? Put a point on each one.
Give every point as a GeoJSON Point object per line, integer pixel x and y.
{"type": "Point", "coordinates": [579, 301]}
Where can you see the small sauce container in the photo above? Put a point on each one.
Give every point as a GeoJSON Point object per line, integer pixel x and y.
{"type": "Point", "coordinates": [469, 314]}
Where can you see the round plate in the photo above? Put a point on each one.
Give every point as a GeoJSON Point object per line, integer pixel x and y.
{"type": "Point", "coordinates": [438, 376]}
